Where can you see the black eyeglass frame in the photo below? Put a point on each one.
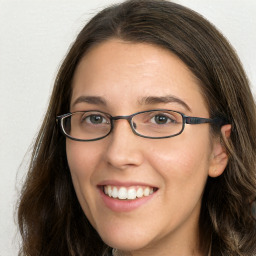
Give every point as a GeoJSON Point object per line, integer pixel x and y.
{"type": "Point", "coordinates": [185, 120]}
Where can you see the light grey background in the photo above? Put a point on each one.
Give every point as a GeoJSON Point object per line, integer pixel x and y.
{"type": "Point", "coordinates": [34, 37]}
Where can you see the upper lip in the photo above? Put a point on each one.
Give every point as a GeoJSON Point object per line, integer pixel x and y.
{"type": "Point", "coordinates": [125, 184]}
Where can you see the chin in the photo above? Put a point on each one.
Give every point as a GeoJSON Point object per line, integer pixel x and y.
{"type": "Point", "coordinates": [126, 243]}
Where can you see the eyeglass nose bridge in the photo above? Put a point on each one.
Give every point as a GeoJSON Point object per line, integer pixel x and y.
{"type": "Point", "coordinates": [128, 118]}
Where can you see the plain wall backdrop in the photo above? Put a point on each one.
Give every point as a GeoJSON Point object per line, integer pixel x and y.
{"type": "Point", "coordinates": [34, 38]}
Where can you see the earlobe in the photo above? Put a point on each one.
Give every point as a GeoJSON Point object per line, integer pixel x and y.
{"type": "Point", "coordinates": [219, 159]}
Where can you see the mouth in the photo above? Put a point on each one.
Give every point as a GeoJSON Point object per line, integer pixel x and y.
{"type": "Point", "coordinates": [127, 193]}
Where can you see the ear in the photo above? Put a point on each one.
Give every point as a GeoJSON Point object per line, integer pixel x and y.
{"type": "Point", "coordinates": [219, 157]}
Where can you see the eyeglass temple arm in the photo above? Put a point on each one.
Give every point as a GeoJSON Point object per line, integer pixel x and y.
{"type": "Point", "coordinates": [200, 120]}
{"type": "Point", "coordinates": [58, 118]}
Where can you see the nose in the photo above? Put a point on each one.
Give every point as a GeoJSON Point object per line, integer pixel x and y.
{"type": "Point", "coordinates": [124, 149]}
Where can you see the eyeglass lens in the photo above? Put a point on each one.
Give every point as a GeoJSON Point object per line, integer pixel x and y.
{"type": "Point", "coordinates": [91, 125]}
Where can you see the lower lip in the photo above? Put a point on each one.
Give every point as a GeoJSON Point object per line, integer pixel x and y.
{"type": "Point", "coordinates": [118, 205]}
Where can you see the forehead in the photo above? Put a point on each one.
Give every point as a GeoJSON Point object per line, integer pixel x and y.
{"type": "Point", "coordinates": [123, 72]}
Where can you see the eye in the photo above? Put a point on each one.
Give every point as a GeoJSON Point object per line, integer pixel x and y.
{"type": "Point", "coordinates": [94, 119]}
{"type": "Point", "coordinates": [97, 119]}
{"type": "Point", "coordinates": [163, 119]}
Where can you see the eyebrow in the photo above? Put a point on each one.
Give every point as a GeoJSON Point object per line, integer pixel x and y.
{"type": "Point", "coordinates": [163, 99]}
{"type": "Point", "coordinates": [96, 100]}
{"type": "Point", "coordinates": [149, 100]}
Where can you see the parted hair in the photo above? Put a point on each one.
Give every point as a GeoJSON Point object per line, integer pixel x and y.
{"type": "Point", "coordinates": [50, 218]}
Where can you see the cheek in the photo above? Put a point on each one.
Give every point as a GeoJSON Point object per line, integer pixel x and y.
{"type": "Point", "coordinates": [182, 159]}
{"type": "Point", "coordinates": [81, 158]}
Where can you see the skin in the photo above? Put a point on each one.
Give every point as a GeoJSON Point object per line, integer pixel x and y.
{"type": "Point", "coordinates": [167, 224]}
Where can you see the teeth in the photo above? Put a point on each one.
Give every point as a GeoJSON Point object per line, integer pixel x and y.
{"type": "Point", "coordinates": [114, 192]}
{"type": "Point", "coordinates": [122, 193]}
{"type": "Point", "coordinates": [146, 192]}
{"type": "Point", "coordinates": [140, 192]}
{"type": "Point", "coordinates": [109, 190]}
{"type": "Point", "coordinates": [130, 193]}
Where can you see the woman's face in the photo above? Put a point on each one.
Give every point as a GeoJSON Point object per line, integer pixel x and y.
{"type": "Point", "coordinates": [120, 78]}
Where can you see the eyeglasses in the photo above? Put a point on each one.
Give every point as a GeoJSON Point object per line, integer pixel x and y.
{"type": "Point", "coordinates": [152, 124]}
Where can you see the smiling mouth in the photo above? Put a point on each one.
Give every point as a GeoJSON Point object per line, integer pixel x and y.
{"type": "Point", "coordinates": [128, 193]}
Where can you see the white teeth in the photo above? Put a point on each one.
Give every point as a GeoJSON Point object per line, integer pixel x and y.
{"type": "Point", "coordinates": [114, 192]}
{"type": "Point", "coordinates": [109, 190]}
{"type": "Point", "coordinates": [140, 192]}
{"type": "Point", "coordinates": [106, 190]}
{"type": "Point", "coordinates": [122, 193]}
{"type": "Point", "coordinates": [130, 193]}
{"type": "Point", "coordinates": [146, 192]}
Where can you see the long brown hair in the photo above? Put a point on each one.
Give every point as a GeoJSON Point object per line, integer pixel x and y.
{"type": "Point", "coordinates": [50, 218]}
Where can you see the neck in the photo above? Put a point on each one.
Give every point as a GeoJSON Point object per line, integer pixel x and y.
{"type": "Point", "coordinates": [116, 252]}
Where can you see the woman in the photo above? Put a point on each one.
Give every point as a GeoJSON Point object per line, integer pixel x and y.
{"type": "Point", "coordinates": [153, 151]}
